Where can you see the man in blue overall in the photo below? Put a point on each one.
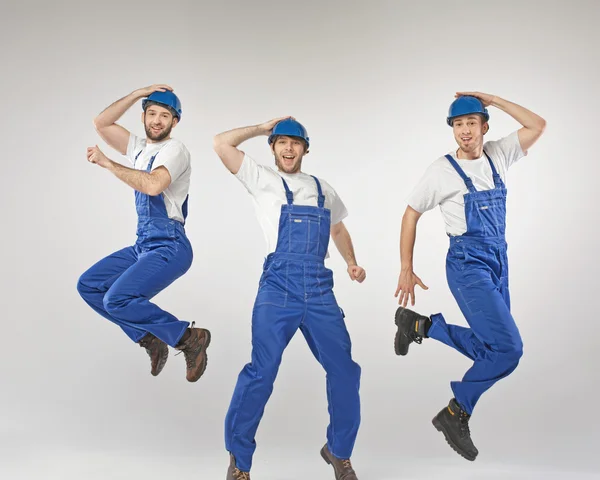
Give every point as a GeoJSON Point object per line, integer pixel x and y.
{"type": "Point", "coordinates": [297, 213]}
{"type": "Point", "coordinates": [468, 185]}
{"type": "Point", "coordinates": [120, 286]}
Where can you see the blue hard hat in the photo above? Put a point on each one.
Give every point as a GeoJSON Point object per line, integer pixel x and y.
{"type": "Point", "coordinates": [466, 105]}
{"type": "Point", "coordinates": [290, 128]}
{"type": "Point", "coordinates": [166, 98]}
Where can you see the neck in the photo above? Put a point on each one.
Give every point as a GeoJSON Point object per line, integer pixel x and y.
{"type": "Point", "coordinates": [149, 140]}
{"type": "Point", "coordinates": [462, 155]}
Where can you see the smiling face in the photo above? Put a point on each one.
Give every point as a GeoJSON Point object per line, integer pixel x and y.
{"type": "Point", "coordinates": [158, 123]}
{"type": "Point", "coordinates": [288, 152]}
{"type": "Point", "coordinates": [468, 133]}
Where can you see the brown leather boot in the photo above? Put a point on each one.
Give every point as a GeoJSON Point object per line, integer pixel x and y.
{"type": "Point", "coordinates": [342, 467]}
{"type": "Point", "coordinates": [158, 351]}
{"type": "Point", "coordinates": [194, 351]}
{"type": "Point", "coordinates": [234, 473]}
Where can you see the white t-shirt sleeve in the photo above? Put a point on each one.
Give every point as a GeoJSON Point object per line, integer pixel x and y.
{"type": "Point", "coordinates": [428, 193]}
{"type": "Point", "coordinates": [134, 146]}
{"type": "Point", "coordinates": [250, 174]}
{"type": "Point", "coordinates": [506, 150]}
{"type": "Point", "coordinates": [338, 209]}
{"type": "Point", "coordinates": [174, 158]}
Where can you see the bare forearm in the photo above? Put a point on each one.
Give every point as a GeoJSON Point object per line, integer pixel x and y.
{"type": "Point", "coordinates": [522, 115]}
{"type": "Point", "coordinates": [408, 235]}
{"type": "Point", "coordinates": [343, 242]}
{"type": "Point", "coordinates": [141, 181]}
{"type": "Point", "coordinates": [115, 111]}
{"type": "Point", "coordinates": [238, 135]}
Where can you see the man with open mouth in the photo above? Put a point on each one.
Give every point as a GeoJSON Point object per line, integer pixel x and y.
{"type": "Point", "coordinates": [120, 286]}
{"type": "Point", "coordinates": [468, 184]}
{"type": "Point", "coordinates": [298, 214]}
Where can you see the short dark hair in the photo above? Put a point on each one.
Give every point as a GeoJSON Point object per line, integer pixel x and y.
{"type": "Point", "coordinates": [173, 112]}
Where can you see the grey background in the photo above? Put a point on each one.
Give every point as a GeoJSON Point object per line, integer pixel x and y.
{"type": "Point", "coordinates": [372, 82]}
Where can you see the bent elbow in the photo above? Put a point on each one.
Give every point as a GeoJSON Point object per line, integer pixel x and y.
{"type": "Point", "coordinates": [217, 144]}
{"type": "Point", "coordinates": [542, 126]}
{"type": "Point", "coordinates": [154, 190]}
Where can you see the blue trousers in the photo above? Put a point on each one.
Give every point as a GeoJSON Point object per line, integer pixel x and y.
{"type": "Point", "coordinates": [120, 287]}
{"type": "Point", "coordinates": [273, 326]}
{"type": "Point", "coordinates": [478, 278]}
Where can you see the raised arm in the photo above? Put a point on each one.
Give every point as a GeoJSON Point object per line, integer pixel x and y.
{"type": "Point", "coordinates": [225, 144]}
{"type": "Point", "coordinates": [407, 279]}
{"type": "Point", "coordinates": [533, 124]}
{"type": "Point", "coordinates": [105, 123]}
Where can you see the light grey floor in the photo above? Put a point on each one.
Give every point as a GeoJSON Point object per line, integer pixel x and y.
{"type": "Point", "coordinates": [58, 463]}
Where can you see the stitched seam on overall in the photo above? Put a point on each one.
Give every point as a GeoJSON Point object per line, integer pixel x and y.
{"type": "Point", "coordinates": [329, 395]}
{"type": "Point", "coordinates": [234, 433]}
{"type": "Point", "coordinates": [319, 287]}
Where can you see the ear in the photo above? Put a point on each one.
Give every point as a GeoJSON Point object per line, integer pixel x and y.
{"type": "Point", "coordinates": [144, 117]}
{"type": "Point", "coordinates": [175, 122]}
{"type": "Point", "coordinates": [272, 148]}
{"type": "Point", "coordinates": [486, 127]}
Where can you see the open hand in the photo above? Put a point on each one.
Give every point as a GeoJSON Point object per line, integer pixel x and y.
{"type": "Point", "coordinates": [158, 87]}
{"type": "Point", "coordinates": [485, 98]}
{"type": "Point", "coordinates": [268, 127]}
{"type": "Point", "coordinates": [406, 287]}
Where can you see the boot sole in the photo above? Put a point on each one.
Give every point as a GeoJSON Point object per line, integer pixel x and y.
{"type": "Point", "coordinates": [438, 426]}
{"type": "Point", "coordinates": [399, 335]}
{"type": "Point", "coordinates": [208, 338]}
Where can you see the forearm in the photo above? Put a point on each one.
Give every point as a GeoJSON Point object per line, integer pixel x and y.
{"type": "Point", "coordinates": [522, 115]}
{"type": "Point", "coordinates": [115, 111]}
{"type": "Point", "coordinates": [237, 136]}
{"type": "Point", "coordinates": [343, 242]}
{"type": "Point", "coordinates": [139, 180]}
{"type": "Point", "coordinates": [408, 235]}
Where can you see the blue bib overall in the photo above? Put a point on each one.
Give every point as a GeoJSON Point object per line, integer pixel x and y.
{"type": "Point", "coordinates": [477, 273]}
{"type": "Point", "coordinates": [120, 286]}
{"type": "Point", "coordinates": [296, 292]}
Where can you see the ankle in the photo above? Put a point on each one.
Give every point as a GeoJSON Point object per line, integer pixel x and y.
{"type": "Point", "coordinates": [427, 325]}
{"type": "Point", "coordinates": [184, 337]}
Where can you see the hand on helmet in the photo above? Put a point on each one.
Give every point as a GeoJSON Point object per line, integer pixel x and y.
{"type": "Point", "coordinates": [485, 98]}
{"type": "Point", "coordinates": [158, 87]}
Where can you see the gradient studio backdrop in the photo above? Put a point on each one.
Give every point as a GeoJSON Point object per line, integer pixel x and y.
{"type": "Point", "coordinates": [372, 82]}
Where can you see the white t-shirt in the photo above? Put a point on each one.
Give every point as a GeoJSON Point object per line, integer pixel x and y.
{"type": "Point", "coordinates": [268, 194]}
{"type": "Point", "coordinates": [175, 158]}
{"type": "Point", "coordinates": [442, 185]}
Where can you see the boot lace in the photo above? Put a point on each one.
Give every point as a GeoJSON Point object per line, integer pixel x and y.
{"type": "Point", "coordinates": [188, 352]}
{"type": "Point", "coordinates": [464, 425]}
{"type": "Point", "coordinates": [346, 464]}
{"type": "Point", "coordinates": [415, 337]}
{"type": "Point", "coordinates": [239, 475]}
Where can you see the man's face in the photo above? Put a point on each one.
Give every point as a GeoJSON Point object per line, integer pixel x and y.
{"type": "Point", "coordinates": [288, 152]}
{"type": "Point", "coordinates": [158, 122]}
{"type": "Point", "coordinates": [469, 131]}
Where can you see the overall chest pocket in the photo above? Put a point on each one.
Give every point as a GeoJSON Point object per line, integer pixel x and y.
{"type": "Point", "coordinates": [305, 231]}
{"type": "Point", "coordinates": [491, 213]}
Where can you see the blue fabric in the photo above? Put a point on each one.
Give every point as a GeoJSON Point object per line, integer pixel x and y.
{"type": "Point", "coordinates": [296, 292]}
{"type": "Point", "coordinates": [477, 273]}
{"type": "Point", "coordinates": [120, 286]}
